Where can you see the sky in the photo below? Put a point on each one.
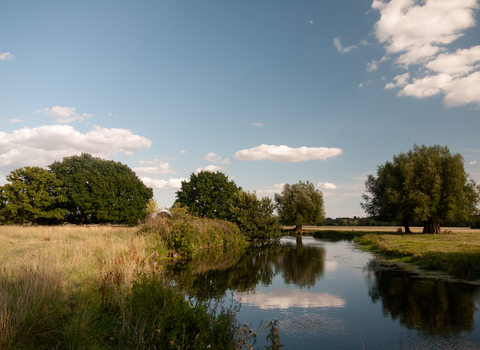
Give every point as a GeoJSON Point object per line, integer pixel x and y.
{"type": "Point", "coordinates": [268, 92]}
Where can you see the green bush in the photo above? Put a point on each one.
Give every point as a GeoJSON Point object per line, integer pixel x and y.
{"type": "Point", "coordinates": [186, 234]}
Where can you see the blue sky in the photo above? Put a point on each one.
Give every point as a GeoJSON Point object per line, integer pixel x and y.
{"type": "Point", "coordinates": [269, 92]}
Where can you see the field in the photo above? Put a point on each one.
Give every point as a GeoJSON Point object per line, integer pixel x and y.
{"type": "Point", "coordinates": [376, 228]}
{"type": "Point", "coordinates": [98, 288]}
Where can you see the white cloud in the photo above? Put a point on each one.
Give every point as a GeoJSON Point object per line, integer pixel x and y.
{"type": "Point", "coordinates": [212, 168]}
{"type": "Point", "coordinates": [183, 152]}
{"type": "Point", "coordinates": [473, 162]}
{"type": "Point", "coordinates": [360, 85]}
{"type": "Point", "coordinates": [419, 33]}
{"type": "Point", "coordinates": [64, 114]}
{"type": "Point", "coordinates": [216, 159]}
{"type": "Point", "coordinates": [42, 145]}
{"type": "Point", "coordinates": [16, 121]}
{"type": "Point", "coordinates": [277, 189]}
{"type": "Point", "coordinates": [310, 22]}
{"type": "Point", "coordinates": [416, 29]}
{"type": "Point", "coordinates": [157, 166]}
{"type": "Point", "coordinates": [342, 49]}
{"type": "Point", "coordinates": [128, 154]}
{"type": "Point", "coordinates": [257, 124]}
{"type": "Point", "coordinates": [172, 184]}
{"type": "Point", "coordinates": [372, 66]}
{"type": "Point", "coordinates": [326, 185]}
{"type": "Point", "coordinates": [400, 80]}
{"type": "Point", "coordinates": [6, 56]}
{"type": "Point", "coordinates": [285, 154]}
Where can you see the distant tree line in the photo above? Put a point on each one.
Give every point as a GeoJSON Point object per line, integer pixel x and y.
{"type": "Point", "coordinates": [366, 221]}
{"type": "Point", "coordinates": [79, 190]}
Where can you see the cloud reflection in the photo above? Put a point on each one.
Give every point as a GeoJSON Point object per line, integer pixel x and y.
{"type": "Point", "coordinates": [287, 298]}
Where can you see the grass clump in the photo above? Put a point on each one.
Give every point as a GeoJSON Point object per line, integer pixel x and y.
{"type": "Point", "coordinates": [457, 254]}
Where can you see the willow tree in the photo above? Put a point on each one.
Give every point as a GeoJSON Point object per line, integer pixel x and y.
{"type": "Point", "coordinates": [300, 204]}
{"type": "Point", "coordinates": [426, 184]}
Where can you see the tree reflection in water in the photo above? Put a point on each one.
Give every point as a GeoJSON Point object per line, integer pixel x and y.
{"type": "Point", "coordinates": [215, 271]}
{"type": "Point", "coordinates": [431, 306]}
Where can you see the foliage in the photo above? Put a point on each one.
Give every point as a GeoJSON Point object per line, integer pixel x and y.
{"type": "Point", "coordinates": [186, 234]}
{"type": "Point", "coordinates": [254, 216]}
{"type": "Point", "coordinates": [273, 337]}
{"type": "Point", "coordinates": [100, 191]}
{"type": "Point", "coordinates": [207, 194]}
{"type": "Point", "coordinates": [152, 207]}
{"type": "Point", "coordinates": [300, 204]}
{"type": "Point", "coordinates": [33, 195]}
{"type": "Point", "coordinates": [426, 184]}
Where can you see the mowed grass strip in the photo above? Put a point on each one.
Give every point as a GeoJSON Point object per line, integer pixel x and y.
{"type": "Point", "coordinates": [457, 254]}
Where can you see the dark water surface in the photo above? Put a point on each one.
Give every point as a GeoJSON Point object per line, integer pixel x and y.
{"type": "Point", "coordinates": [330, 295]}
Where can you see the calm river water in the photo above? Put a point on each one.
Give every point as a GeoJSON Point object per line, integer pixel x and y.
{"type": "Point", "coordinates": [331, 295]}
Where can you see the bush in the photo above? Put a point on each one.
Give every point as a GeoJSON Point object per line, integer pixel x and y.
{"type": "Point", "coordinates": [186, 234]}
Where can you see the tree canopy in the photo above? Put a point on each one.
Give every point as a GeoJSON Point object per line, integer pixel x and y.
{"type": "Point", "coordinates": [300, 204]}
{"type": "Point", "coordinates": [255, 217]}
{"type": "Point", "coordinates": [426, 184]}
{"type": "Point", "coordinates": [207, 194]}
{"type": "Point", "coordinates": [33, 195]}
{"type": "Point", "coordinates": [100, 191]}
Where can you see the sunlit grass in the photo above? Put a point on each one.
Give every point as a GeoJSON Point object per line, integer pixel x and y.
{"type": "Point", "coordinates": [457, 253]}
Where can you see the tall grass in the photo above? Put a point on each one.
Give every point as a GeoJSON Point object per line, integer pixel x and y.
{"type": "Point", "coordinates": [98, 288]}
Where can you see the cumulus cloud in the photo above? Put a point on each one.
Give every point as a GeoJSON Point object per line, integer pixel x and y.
{"type": "Point", "coordinates": [473, 162]}
{"type": "Point", "coordinates": [216, 159]}
{"type": "Point", "coordinates": [400, 80]}
{"type": "Point", "coordinates": [172, 184]}
{"type": "Point", "coordinates": [277, 189]}
{"type": "Point", "coordinates": [285, 154]}
{"type": "Point", "coordinates": [16, 121]}
{"type": "Point", "coordinates": [156, 166]}
{"type": "Point", "coordinates": [342, 49]}
{"type": "Point", "coordinates": [64, 114]}
{"type": "Point", "coordinates": [326, 185]}
{"type": "Point", "coordinates": [310, 22]}
{"type": "Point", "coordinates": [211, 167]}
{"type": "Point", "coordinates": [6, 56]}
{"type": "Point", "coordinates": [42, 145]}
{"type": "Point", "coordinates": [183, 151]}
{"type": "Point", "coordinates": [421, 33]}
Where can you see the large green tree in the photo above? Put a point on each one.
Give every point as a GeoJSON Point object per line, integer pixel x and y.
{"type": "Point", "coordinates": [207, 194]}
{"type": "Point", "coordinates": [426, 184]}
{"type": "Point", "coordinates": [255, 217]}
{"type": "Point", "coordinates": [33, 195]}
{"type": "Point", "coordinates": [101, 191]}
{"type": "Point", "coordinates": [300, 204]}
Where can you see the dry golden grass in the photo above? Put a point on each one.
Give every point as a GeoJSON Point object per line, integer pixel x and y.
{"type": "Point", "coordinates": [77, 252]}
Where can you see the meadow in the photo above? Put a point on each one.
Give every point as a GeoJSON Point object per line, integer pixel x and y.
{"type": "Point", "coordinates": [100, 288]}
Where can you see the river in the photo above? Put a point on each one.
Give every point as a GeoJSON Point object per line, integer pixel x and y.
{"type": "Point", "coordinates": [331, 295]}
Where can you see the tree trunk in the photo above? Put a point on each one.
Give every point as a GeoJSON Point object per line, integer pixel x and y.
{"type": "Point", "coordinates": [407, 228]}
{"type": "Point", "coordinates": [299, 238]}
{"type": "Point", "coordinates": [298, 228]}
{"type": "Point", "coordinates": [431, 226]}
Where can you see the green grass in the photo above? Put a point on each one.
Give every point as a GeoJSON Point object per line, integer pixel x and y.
{"type": "Point", "coordinates": [457, 254]}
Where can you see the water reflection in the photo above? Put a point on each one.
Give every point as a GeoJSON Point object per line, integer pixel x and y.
{"type": "Point", "coordinates": [215, 272]}
{"type": "Point", "coordinates": [287, 298]}
{"type": "Point", "coordinates": [428, 305]}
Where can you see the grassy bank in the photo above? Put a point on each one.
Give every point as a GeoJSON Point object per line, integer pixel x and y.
{"type": "Point", "coordinates": [457, 254]}
{"type": "Point", "coordinates": [348, 234]}
{"type": "Point", "coordinates": [99, 288]}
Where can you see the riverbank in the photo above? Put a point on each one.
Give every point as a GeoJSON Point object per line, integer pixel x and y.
{"type": "Point", "coordinates": [66, 287]}
{"type": "Point", "coordinates": [456, 254]}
